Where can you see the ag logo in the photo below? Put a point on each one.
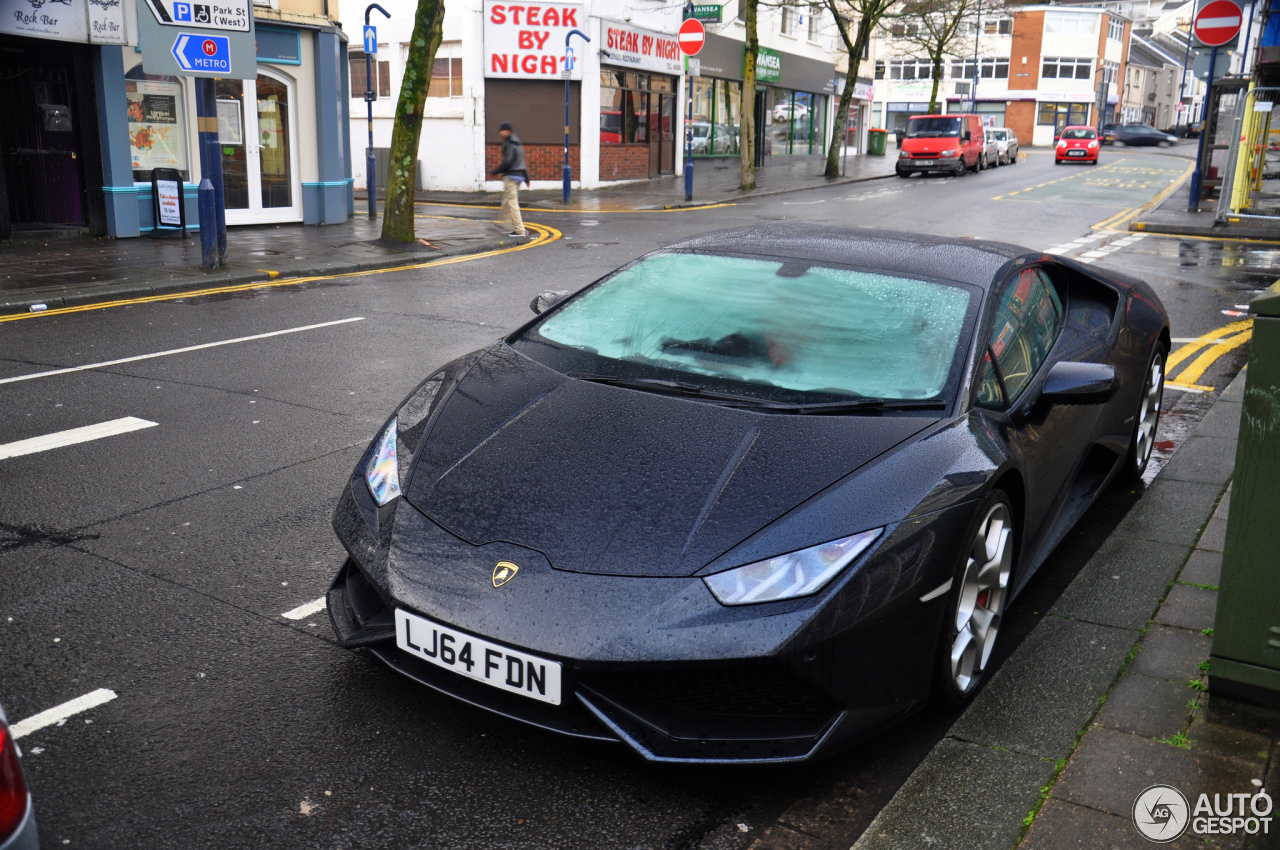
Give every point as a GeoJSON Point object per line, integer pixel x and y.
{"type": "Point", "coordinates": [1161, 813]}
{"type": "Point", "coordinates": [504, 572]}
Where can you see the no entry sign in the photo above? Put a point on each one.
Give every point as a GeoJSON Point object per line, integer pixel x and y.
{"type": "Point", "coordinates": [1217, 22]}
{"type": "Point", "coordinates": [693, 35]}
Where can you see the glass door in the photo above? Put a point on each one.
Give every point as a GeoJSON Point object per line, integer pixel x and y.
{"type": "Point", "coordinates": [257, 137]}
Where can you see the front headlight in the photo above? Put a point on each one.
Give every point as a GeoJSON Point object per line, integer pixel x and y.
{"type": "Point", "coordinates": [389, 466]}
{"type": "Point", "coordinates": [949, 153]}
{"type": "Point", "coordinates": [1093, 145]}
{"type": "Point", "coordinates": [789, 576]}
{"type": "Point", "coordinates": [382, 474]}
{"type": "Point", "coordinates": [904, 154]}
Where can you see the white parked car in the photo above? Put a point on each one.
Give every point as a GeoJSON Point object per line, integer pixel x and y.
{"type": "Point", "coordinates": [1006, 145]}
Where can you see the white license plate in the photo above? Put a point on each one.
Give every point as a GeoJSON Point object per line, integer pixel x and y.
{"type": "Point", "coordinates": [1075, 153]}
{"type": "Point", "coordinates": [491, 663]}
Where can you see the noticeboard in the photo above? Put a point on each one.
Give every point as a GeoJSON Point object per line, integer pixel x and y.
{"type": "Point", "coordinates": [166, 204]}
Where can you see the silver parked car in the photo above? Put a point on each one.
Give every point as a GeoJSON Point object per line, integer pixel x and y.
{"type": "Point", "coordinates": [17, 818]}
{"type": "Point", "coordinates": [990, 148]}
{"type": "Point", "coordinates": [1006, 145]}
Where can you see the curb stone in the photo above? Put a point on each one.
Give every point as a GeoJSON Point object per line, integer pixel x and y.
{"type": "Point", "coordinates": [1041, 702]}
{"type": "Point", "coordinates": [53, 298]}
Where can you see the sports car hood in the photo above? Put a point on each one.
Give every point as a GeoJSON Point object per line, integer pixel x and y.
{"type": "Point", "coordinates": [615, 481]}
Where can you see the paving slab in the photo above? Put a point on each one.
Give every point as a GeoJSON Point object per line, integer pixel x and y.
{"type": "Point", "coordinates": [1222, 420]}
{"type": "Point", "coordinates": [1171, 653]}
{"type": "Point", "coordinates": [1250, 749]}
{"type": "Point", "coordinates": [1123, 582]}
{"type": "Point", "coordinates": [977, 797]}
{"type": "Point", "coordinates": [1171, 511]}
{"type": "Point", "coordinates": [1153, 708]}
{"type": "Point", "coordinates": [1111, 768]}
{"type": "Point", "coordinates": [1189, 608]}
{"type": "Point", "coordinates": [1209, 460]}
{"type": "Point", "coordinates": [1203, 567]}
{"type": "Point", "coordinates": [1065, 826]}
{"type": "Point", "coordinates": [1048, 690]}
{"type": "Point", "coordinates": [1214, 538]}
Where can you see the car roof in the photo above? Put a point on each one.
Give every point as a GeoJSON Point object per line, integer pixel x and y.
{"type": "Point", "coordinates": [974, 261]}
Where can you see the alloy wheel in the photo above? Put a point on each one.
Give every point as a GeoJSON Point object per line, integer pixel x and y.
{"type": "Point", "coordinates": [980, 604]}
{"type": "Point", "coordinates": [1149, 413]}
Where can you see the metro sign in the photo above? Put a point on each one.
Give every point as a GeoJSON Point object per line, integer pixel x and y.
{"type": "Point", "coordinates": [1217, 23]}
{"type": "Point", "coordinates": [210, 54]}
{"type": "Point", "coordinates": [692, 36]}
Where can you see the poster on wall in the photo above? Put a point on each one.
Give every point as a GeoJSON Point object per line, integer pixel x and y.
{"type": "Point", "coordinates": [156, 136]}
{"type": "Point", "coordinates": [92, 21]}
{"type": "Point", "coordinates": [527, 42]}
{"type": "Point", "coordinates": [230, 128]}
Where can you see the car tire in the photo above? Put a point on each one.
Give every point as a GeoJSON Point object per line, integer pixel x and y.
{"type": "Point", "coordinates": [959, 169]}
{"type": "Point", "coordinates": [982, 162]}
{"type": "Point", "coordinates": [1146, 420]}
{"type": "Point", "coordinates": [1164, 144]}
{"type": "Point", "coordinates": [976, 602]}
{"type": "Point", "coordinates": [1013, 160]}
{"type": "Point", "coordinates": [1118, 143]}
{"type": "Point", "coordinates": [1057, 161]}
{"type": "Point", "coordinates": [902, 173]}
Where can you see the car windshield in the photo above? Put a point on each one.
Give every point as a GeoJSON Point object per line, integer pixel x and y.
{"type": "Point", "coordinates": [784, 330]}
{"type": "Point", "coordinates": [1077, 133]}
{"type": "Point", "coordinates": [918, 128]}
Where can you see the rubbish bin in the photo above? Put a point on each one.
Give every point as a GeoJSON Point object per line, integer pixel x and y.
{"type": "Point", "coordinates": [1245, 662]}
{"type": "Point", "coordinates": [877, 141]}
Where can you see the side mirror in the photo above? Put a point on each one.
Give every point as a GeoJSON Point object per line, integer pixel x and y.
{"type": "Point", "coordinates": [547, 300]}
{"type": "Point", "coordinates": [1079, 383]}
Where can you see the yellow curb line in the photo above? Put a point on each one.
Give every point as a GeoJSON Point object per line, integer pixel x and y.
{"type": "Point", "coordinates": [1208, 339]}
{"type": "Point", "coordinates": [546, 235]}
{"type": "Point", "coordinates": [534, 209]}
{"type": "Point", "coordinates": [1201, 364]}
{"type": "Point", "coordinates": [1154, 202]}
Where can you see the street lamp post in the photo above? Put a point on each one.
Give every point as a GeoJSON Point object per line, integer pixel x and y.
{"type": "Point", "coordinates": [568, 71]}
{"type": "Point", "coordinates": [371, 164]}
{"type": "Point", "coordinates": [1182, 88]}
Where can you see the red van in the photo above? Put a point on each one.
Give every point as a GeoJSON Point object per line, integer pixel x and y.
{"type": "Point", "coordinates": [947, 143]}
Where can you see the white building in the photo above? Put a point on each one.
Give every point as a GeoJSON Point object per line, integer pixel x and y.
{"type": "Point", "coordinates": [628, 99]}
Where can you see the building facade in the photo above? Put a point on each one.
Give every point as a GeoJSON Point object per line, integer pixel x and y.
{"type": "Point", "coordinates": [1034, 70]}
{"type": "Point", "coordinates": [627, 91]}
{"type": "Point", "coordinates": [283, 133]}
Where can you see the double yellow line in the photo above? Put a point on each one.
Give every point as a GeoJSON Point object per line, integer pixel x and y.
{"type": "Point", "coordinates": [1214, 344]}
{"type": "Point", "coordinates": [545, 236]}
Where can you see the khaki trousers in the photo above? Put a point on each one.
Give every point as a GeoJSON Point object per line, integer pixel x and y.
{"type": "Point", "coordinates": [510, 218]}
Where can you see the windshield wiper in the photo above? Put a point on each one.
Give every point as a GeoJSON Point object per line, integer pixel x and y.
{"type": "Point", "coordinates": [661, 385]}
{"type": "Point", "coordinates": [685, 389]}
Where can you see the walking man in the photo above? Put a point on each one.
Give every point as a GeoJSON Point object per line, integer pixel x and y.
{"type": "Point", "coordinates": [512, 170]}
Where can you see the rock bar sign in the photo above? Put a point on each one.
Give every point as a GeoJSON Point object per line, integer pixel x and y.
{"type": "Point", "coordinates": [640, 49]}
{"type": "Point", "coordinates": [92, 21]}
{"type": "Point", "coordinates": [526, 41]}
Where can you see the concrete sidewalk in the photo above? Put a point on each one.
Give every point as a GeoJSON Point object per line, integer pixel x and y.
{"type": "Point", "coordinates": [1106, 697]}
{"type": "Point", "coordinates": [715, 182]}
{"type": "Point", "coordinates": [70, 272]}
{"type": "Point", "coordinates": [1171, 217]}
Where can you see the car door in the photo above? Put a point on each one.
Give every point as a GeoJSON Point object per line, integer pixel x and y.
{"type": "Point", "coordinates": [1050, 440]}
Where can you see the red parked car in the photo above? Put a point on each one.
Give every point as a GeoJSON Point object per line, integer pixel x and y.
{"type": "Point", "coordinates": [1076, 144]}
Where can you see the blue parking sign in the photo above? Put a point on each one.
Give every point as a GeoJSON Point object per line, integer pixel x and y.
{"type": "Point", "coordinates": [182, 11]}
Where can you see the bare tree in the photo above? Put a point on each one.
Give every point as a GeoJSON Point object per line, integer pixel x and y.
{"type": "Point", "coordinates": [856, 20]}
{"type": "Point", "coordinates": [747, 119]}
{"type": "Point", "coordinates": [939, 29]}
{"type": "Point", "coordinates": [428, 23]}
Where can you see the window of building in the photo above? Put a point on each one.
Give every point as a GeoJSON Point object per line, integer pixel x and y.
{"type": "Point", "coordinates": [1066, 69]}
{"type": "Point", "coordinates": [879, 69]}
{"type": "Point", "coordinates": [997, 26]}
{"type": "Point", "coordinates": [381, 76]}
{"type": "Point", "coordinates": [992, 68]}
{"type": "Point", "coordinates": [900, 29]}
{"type": "Point", "coordinates": [1110, 71]}
{"type": "Point", "coordinates": [1071, 23]}
{"type": "Point", "coordinates": [627, 109]}
{"type": "Point", "coordinates": [446, 71]}
{"type": "Point", "coordinates": [1115, 30]}
{"type": "Point", "coordinates": [1062, 114]}
{"type": "Point", "coordinates": [910, 69]}
{"type": "Point", "coordinates": [788, 20]}
{"type": "Point", "coordinates": [157, 117]}
{"type": "Point", "coordinates": [815, 18]}
{"type": "Point", "coordinates": [717, 114]}
{"type": "Point", "coordinates": [742, 10]}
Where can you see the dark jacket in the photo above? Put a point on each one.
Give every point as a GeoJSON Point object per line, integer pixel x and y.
{"type": "Point", "coordinates": [512, 164]}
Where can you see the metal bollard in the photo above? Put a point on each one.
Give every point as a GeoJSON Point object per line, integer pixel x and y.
{"type": "Point", "coordinates": [208, 225]}
{"type": "Point", "coordinates": [1245, 662]}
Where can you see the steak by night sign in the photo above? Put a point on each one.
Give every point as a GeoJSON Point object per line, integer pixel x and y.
{"type": "Point", "coordinates": [526, 41]}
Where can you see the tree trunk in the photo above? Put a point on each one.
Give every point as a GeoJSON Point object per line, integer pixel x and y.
{"type": "Point", "coordinates": [397, 216]}
{"type": "Point", "coordinates": [841, 121]}
{"type": "Point", "coordinates": [747, 121]}
{"type": "Point", "coordinates": [937, 81]}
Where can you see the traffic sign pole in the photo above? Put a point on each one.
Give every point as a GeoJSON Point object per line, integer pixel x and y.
{"type": "Point", "coordinates": [568, 73]}
{"type": "Point", "coordinates": [207, 125]}
{"type": "Point", "coordinates": [1197, 176]}
{"type": "Point", "coordinates": [370, 161]}
{"type": "Point", "coordinates": [691, 38]}
{"type": "Point", "coordinates": [1216, 24]}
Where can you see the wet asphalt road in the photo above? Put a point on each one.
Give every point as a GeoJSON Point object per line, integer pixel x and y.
{"type": "Point", "coordinates": [158, 563]}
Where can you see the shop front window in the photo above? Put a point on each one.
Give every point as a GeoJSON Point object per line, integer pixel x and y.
{"type": "Point", "coordinates": [717, 110]}
{"type": "Point", "coordinates": [157, 123]}
{"type": "Point", "coordinates": [627, 109]}
{"type": "Point", "coordinates": [797, 122]}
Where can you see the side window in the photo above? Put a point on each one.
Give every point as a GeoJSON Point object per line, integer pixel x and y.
{"type": "Point", "coordinates": [1026, 324]}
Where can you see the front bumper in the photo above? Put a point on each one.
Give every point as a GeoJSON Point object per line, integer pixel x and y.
{"type": "Point", "coordinates": [657, 664]}
{"type": "Point", "coordinates": [933, 164]}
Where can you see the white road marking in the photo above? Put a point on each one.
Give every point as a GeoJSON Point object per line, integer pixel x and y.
{"type": "Point", "coordinates": [1197, 339]}
{"type": "Point", "coordinates": [75, 435]}
{"type": "Point", "coordinates": [107, 363]}
{"type": "Point", "coordinates": [61, 712]}
{"type": "Point", "coordinates": [302, 612]}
